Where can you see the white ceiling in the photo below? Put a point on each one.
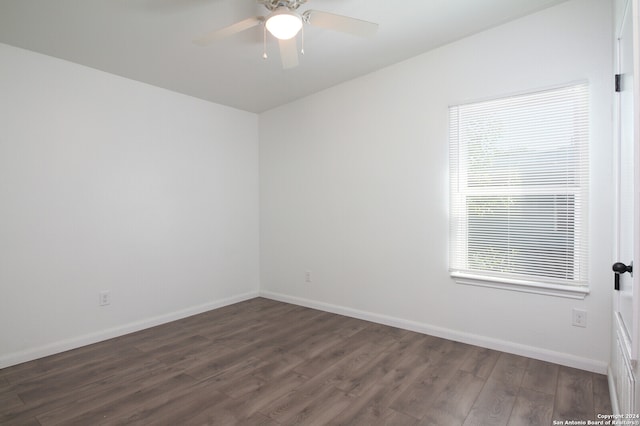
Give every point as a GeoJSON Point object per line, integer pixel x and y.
{"type": "Point", "coordinates": [151, 41]}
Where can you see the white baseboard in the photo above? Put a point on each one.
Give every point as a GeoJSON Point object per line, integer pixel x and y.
{"type": "Point", "coordinates": [459, 336]}
{"type": "Point", "coordinates": [483, 341]}
{"type": "Point", "coordinates": [88, 339]}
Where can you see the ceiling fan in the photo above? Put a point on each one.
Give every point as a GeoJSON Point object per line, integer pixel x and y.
{"type": "Point", "coordinates": [284, 22]}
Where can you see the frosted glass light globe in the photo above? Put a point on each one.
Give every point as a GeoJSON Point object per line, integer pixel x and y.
{"type": "Point", "coordinates": [284, 24]}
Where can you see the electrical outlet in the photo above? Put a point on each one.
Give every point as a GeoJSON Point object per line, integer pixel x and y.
{"type": "Point", "coordinates": [105, 298]}
{"type": "Point", "coordinates": [307, 277]}
{"type": "Point", "coordinates": [579, 318]}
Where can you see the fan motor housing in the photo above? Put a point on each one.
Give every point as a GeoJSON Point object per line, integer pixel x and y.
{"type": "Point", "coordinates": [289, 4]}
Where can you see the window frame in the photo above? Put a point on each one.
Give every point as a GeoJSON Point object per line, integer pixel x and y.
{"type": "Point", "coordinates": [458, 174]}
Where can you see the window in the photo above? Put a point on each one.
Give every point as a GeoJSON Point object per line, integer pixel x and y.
{"type": "Point", "coordinates": [518, 191]}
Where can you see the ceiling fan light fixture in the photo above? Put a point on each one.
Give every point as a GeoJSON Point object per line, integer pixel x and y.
{"type": "Point", "coordinates": [284, 24]}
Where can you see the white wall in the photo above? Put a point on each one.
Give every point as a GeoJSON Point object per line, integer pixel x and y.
{"type": "Point", "coordinates": [110, 184]}
{"type": "Point", "coordinates": [354, 188]}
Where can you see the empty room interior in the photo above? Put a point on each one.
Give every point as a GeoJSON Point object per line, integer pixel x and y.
{"type": "Point", "coordinates": [419, 212]}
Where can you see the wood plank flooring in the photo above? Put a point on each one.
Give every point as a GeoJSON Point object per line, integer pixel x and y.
{"type": "Point", "coordinates": [263, 362]}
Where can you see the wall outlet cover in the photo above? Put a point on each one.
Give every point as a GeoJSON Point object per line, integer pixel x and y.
{"type": "Point", "coordinates": [105, 298]}
{"type": "Point", "coordinates": [579, 318]}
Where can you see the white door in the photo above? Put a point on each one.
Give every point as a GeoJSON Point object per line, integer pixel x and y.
{"type": "Point", "coordinates": [625, 231]}
{"type": "Point", "coordinates": [626, 340]}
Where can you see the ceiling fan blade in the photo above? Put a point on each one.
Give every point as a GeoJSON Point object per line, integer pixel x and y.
{"type": "Point", "coordinates": [228, 31]}
{"type": "Point", "coordinates": [288, 53]}
{"type": "Point", "coordinates": [340, 23]}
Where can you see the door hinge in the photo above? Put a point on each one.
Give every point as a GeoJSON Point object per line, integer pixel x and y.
{"type": "Point", "coordinates": [617, 82]}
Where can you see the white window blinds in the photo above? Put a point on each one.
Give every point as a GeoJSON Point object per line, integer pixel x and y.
{"type": "Point", "coordinates": [519, 187]}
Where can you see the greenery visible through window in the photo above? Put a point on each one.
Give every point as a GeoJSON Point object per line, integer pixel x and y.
{"type": "Point", "coordinates": [519, 187]}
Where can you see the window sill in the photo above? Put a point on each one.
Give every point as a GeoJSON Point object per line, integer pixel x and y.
{"type": "Point", "coordinates": [557, 290]}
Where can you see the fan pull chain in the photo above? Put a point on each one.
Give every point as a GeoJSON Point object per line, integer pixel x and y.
{"type": "Point", "coordinates": [264, 43]}
{"type": "Point", "coordinates": [302, 50]}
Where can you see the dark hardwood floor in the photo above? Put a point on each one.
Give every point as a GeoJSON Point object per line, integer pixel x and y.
{"type": "Point", "coordinates": [262, 362]}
